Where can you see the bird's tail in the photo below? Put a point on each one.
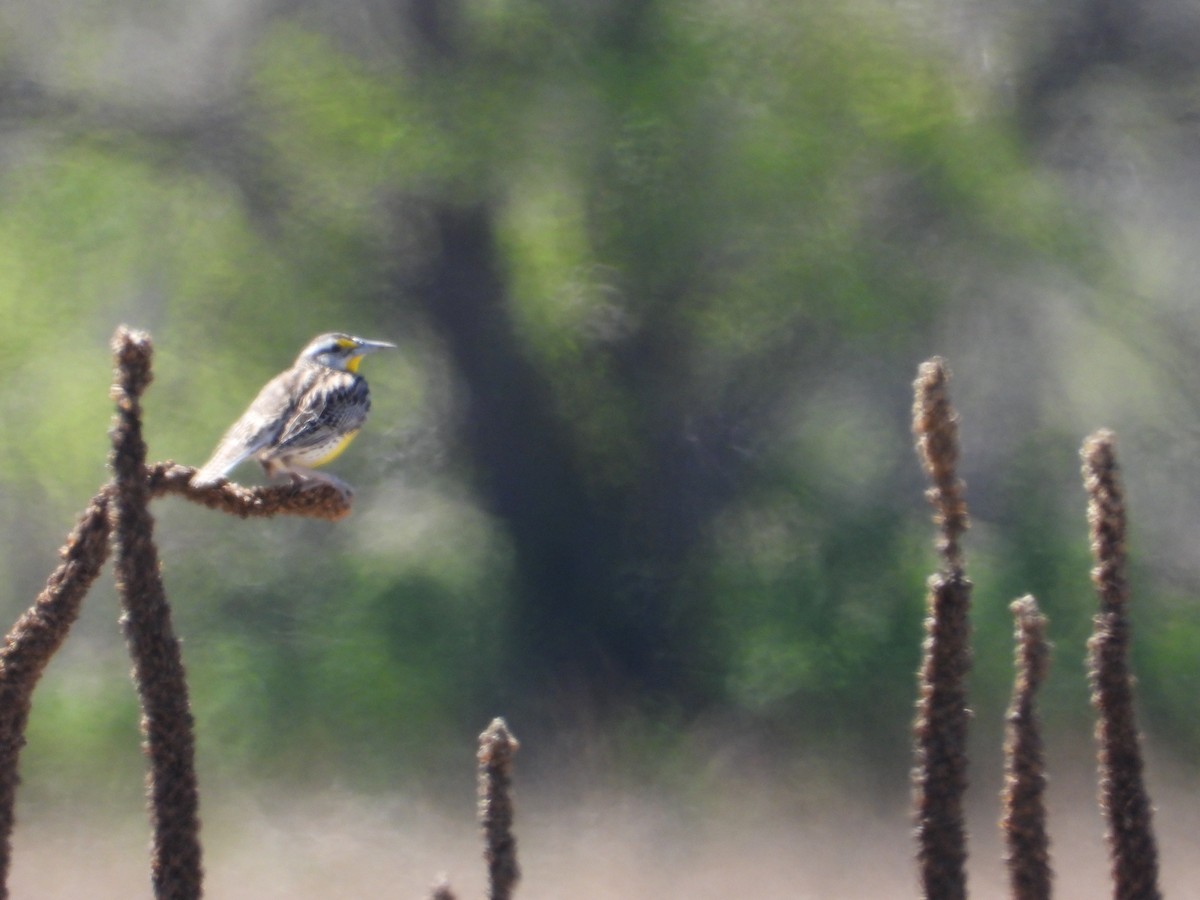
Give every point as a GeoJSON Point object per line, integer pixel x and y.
{"type": "Point", "coordinates": [207, 475]}
{"type": "Point", "coordinates": [218, 467]}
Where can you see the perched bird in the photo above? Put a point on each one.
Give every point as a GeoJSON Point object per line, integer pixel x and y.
{"type": "Point", "coordinates": [303, 417]}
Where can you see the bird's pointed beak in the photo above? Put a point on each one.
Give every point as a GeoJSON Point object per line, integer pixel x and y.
{"type": "Point", "coordinates": [365, 346]}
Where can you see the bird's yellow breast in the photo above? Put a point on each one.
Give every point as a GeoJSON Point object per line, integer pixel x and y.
{"type": "Point", "coordinates": [334, 450]}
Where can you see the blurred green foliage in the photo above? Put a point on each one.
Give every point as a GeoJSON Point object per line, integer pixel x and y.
{"type": "Point", "coordinates": [724, 233]}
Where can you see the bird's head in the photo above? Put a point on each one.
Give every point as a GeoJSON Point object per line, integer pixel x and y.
{"type": "Point", "coordinates": [340, 351]}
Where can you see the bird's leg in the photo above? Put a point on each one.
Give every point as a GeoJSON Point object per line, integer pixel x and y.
{"type": "Point", "coordinates": [303, 475]}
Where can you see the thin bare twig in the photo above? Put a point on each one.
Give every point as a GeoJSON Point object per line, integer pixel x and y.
{"type": "Point", "coordinates": [1024, 821]}
{"type": "Point", "coordinates": [940, 730]}
{"type": "Point", "coordinates": [496, 749]}
{"type": "Point", "coordinates": [158, 666]}
{"type": "Point", "coordinates": [1123, 796]}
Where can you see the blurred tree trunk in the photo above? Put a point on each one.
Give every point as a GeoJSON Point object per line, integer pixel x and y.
{"type": "Point", "coordinates": [601, 601]}
{"type": "Point", "coordinates": [601, 566]}
{"type": "Point", "coordinates": [568, 542]}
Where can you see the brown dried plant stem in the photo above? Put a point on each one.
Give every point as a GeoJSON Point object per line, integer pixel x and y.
{"type": "Point", "coordinates": [33, 640]}
{"type": "Point", "coordinates": [320, 501]}
{"type": "Point", "coordinates": [1123, 795]}
{"type": "Point", "coordinates": [158, 667]}
{"type": "Point", "coordinates": [940, 730]}
{"type": "Point", "coordinates": [41, 630]}
{"type": "Point", "coordinates": [496, 749]}
{"type": "Point", "coordinates": [1024, 820]}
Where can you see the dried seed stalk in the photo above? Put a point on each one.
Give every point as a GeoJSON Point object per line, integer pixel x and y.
{"type": "Point", "coordinates": [318, 501]}
{"type": "Point", "coordinates": [1024, 820]}
{"type": "Point", "coordinates": [1123, 796]}
{"type": "Point", "coordinates": [940, 730]}
{"type": "Point", "coordinates": [40, 631]}
{"type": "Point", "coordinates": [33, 640]}
{"type": "Point", "coordinates": [496, 749]}
{"type": "Point", "coordinates": [158, 666]}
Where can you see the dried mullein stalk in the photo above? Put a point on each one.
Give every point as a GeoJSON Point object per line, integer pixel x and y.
{"type": "Point", "coordinates": [496, 749]}
{"type": "Point", "coordinates": [158, 665]}
{"type": "Point", "coordinates": [940, 730]}
{"type": "Point", "coordinates": [1123, 796]}
{"type": "Point", "coordinates": [318, 501]}
{"type": "Point", "coordinates": [1024, 821]}
{"type": "Point", "coordinates": [33, 640]}
{"type": "Point", "coordinates": [35, 637]}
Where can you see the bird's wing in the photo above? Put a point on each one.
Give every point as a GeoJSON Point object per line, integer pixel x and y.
{"type": "Point", "coordinates": [337, 404]}
{"type": "Point", "coordinates": [258, 427]}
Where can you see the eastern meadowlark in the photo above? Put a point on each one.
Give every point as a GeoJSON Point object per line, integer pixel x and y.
{"type": "Point", "coordinates": [303, 417]}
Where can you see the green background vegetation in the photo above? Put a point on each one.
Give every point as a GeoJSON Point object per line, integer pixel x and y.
{"type": "Point", "coordinates": [661, 274]}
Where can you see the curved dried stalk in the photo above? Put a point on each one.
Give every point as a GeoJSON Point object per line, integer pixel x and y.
{"type": "Point", "coordinates": [320, 501]}
{"type": "Point", "coordinates": [41, 630]}
{"type": "Point", "coordinates": [940, 730]}
{"type": "Point", "coordinates": [1123, 796]}
{"type": "Point", "coordinates": [33, 640]}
